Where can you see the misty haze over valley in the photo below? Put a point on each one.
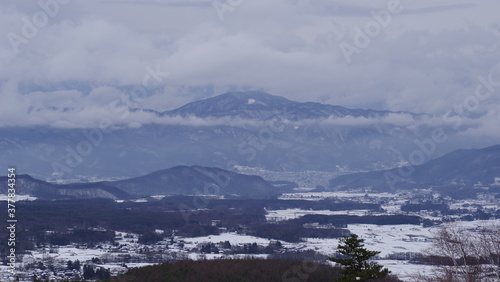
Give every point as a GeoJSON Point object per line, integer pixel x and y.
{"type": "Point", "coordinates": [214, 140]}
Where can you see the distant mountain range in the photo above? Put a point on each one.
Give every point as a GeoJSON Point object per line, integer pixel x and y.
{"type": "Point", "coordinates": [277, 134]}
{"type": "Point", "coordinates": [27, 185]}
{"type": "Point", "coordinates": [179, 180]}
{"type": "Point", "coordinates": [460, 167]}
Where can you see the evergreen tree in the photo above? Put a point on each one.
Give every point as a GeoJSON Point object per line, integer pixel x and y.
{"type": "Point", "coordinates": [254, 248]}
{"type": "Point", "coordinates": [102, 273]}
{"type": "Point", "coordinates": [88, 272]}
{"type": "Point", "coordinates": [278, 245]}
{"type": "Point", "coordinates": [355, 259]}
{"type": "Point", "coordinates": [226, 245]}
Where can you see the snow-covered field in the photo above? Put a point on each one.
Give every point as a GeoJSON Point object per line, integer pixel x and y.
{"type": "Point", "coordinates": [233, 238]}
{"type": "Point", "coordinates": [66, 253]}
{"type": "Point", "coordinates": [316, 196]}
{"type": "Point", "coordinates": [387, 239]}
{"type": "Point", "coordinates": [407, 271]}
{"type": "Point", "coordinates": [278, 215]}
{"type": "Point", "coordinates": [4, 197]}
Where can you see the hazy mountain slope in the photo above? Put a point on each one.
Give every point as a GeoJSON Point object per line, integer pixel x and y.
{"type": "Point", "coordinates": [27, 185]}
{"type": "Point", "coordinates": [193, 180]}
{"type": "Point", "coordinates": [464, 167]}
{"type": "Point", "coordinates": [252, 129]}
{"type": "Point", "coordinates": [180, 180]}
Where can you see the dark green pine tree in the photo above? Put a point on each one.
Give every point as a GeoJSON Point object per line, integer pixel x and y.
{"type": "Point", "coordinates": [355, 261]}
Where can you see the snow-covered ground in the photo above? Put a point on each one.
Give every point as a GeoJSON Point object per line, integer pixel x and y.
{"type": "Point", "coordinates": [233, 238]}
{"type": "Point", "coordinates": [316, 196]}
{"type": "Point", "coordinates": [65, 253]}
{"type": "Point", "coordinates": [387, 239]}
{"type": "Point", "coordinates": [407, 271]}
{"type": "Point", "coordinates": [194, 256]}
{"type": "Point", "coordinates": [18, 197]}
{"type": "Point", "coordinates": [278, 215]}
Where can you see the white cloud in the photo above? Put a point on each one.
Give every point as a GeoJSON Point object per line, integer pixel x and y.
{"type": "Point", "coordinates": [428, 59]}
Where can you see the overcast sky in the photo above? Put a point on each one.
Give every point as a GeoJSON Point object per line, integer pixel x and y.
{"type": "Point", "coordinates": [71, 59]}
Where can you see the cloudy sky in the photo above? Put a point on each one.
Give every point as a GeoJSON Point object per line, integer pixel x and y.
{"type": "Point", "coordinates": [70, 59]}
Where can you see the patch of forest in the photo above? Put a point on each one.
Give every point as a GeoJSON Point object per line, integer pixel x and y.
{"type": "Point", "coordinates": [92, 221]}
{"type": "Point", "coordinates": [236, 270]}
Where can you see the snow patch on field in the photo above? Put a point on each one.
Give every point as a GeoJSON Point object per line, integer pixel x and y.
{"type": "Point", "coordinates": [407, 271]}
{"type": "Point", "coordinates": [233, 238]}
{"type": "Point", "coordinates": [18, 197]}
{"type": "Point", "coordinates": [389, 239]}
{"type": "Point", "coordinates": [316, 196]}
{"type": "Point", "coordinates": [67, 253]}
{"type": "Point", "coordinates": [221, 256]}
{"type": "Point", "coordinates": [278, 215]}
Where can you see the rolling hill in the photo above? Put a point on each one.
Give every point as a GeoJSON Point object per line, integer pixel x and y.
{"type": "Point", "coordinates": [464, 167]}
{"type": "Point", "coordinates": [180, 180]}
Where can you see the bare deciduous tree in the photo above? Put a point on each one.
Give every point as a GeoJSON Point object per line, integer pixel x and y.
{"type": "Point", "coordinates": [488, 239]}
{"type": "Point", "coordinates": [463, 254]}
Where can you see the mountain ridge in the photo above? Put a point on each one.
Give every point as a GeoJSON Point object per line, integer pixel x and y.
{"type": "Point", "coordinates": [198, 180]}
{"type": "Point", "coordinates": [178, 180]}
{"type": "Point", "coordinates": [356, 140]}
{"type": "Point", "coordinates": [264, 106]}
{"type": "Point", "coordinates": [464, 167]}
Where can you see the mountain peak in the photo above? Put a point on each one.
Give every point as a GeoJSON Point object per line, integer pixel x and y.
{"type": "Point", "coordinates": [249, 95]}
{"type": "Point", "coordinates": [248, 104]}
{"type": "Point", "coordinates": [189, 180]}
{"type": "Point", "coordinates": [263, 106]}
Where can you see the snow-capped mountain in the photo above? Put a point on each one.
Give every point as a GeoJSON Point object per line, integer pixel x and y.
{"type": "Point", "coordinates": [263, 106]}
{"type": "Point", "coordinates": [253, 129]}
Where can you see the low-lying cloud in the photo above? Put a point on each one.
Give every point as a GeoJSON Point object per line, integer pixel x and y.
{"type": "Point", "coordinates": [89, 53]}
{"type": "Point", "coordinates": [74, 109]}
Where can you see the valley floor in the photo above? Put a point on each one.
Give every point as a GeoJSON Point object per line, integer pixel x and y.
{"type": "Point", "coordinates": [389, 240]}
